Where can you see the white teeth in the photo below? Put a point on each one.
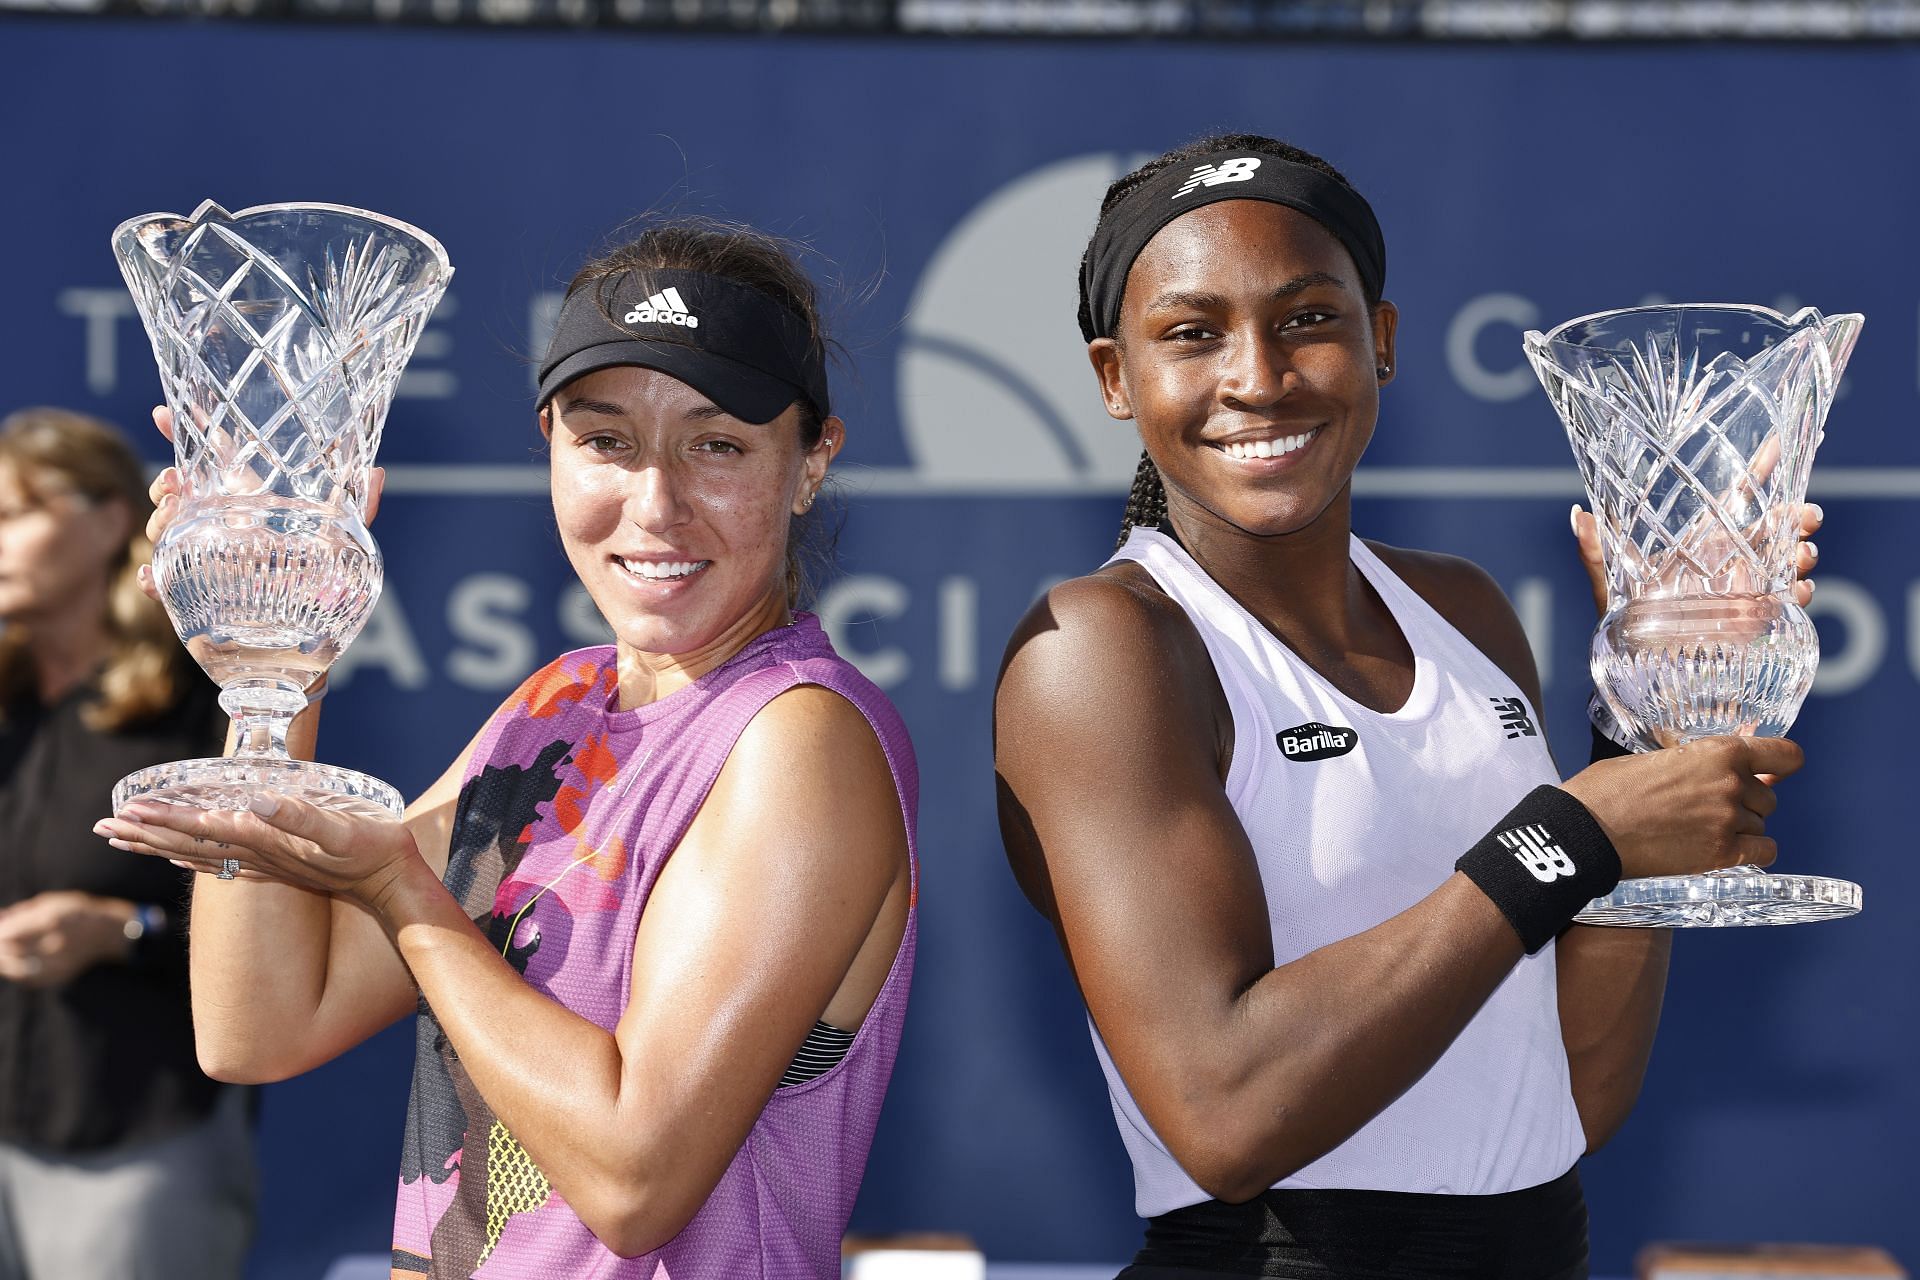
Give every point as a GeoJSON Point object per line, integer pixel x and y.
{"type": "Point", "coordinates": [1243, 450]}
{"type": "Point", "coordinates": [662, 570]}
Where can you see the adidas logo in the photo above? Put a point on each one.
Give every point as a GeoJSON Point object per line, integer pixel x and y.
{"type": "Point", "coordinates": [664, 307]}
{"type": "Point", "coordinates": [1544, 860]}
{"type": "Point", "coordinates": [1238, 169]}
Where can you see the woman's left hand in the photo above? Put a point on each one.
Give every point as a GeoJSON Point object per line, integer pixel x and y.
{"type": "Point", "coordinates": [52, 938]}
{"type": "Point", "coordinates": [280, 838]}
{"type": "Point", "coordinates": [1586, 531]}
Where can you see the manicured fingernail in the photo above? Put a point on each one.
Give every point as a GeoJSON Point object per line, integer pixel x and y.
{"type": "Point", "coordinates": [1810, 585]}
{"type": "Point", "coordinates": [1818, 514]}
{"type": "Point", "coordinates": [1812, 550]}
{"type": "Point", "coordinates": [1573, 519]}
{"type": "Point", "coordinates": [121, 845]}
{"type": "Point", "coordinates": [263, 804]}
{"type": "Point", "coordinates": [101, 828]}
{"type": "Point", "coordinates": [184, 866]}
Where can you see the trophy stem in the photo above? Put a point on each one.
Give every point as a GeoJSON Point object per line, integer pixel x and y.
{"type": "Point", "coordinates": [1731, 896]}
{"type": "Point", "coordinates": [262, 711]}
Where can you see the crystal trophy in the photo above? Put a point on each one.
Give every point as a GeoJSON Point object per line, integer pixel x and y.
{"type": "Point", "coordinates": [280, 332]}
{"type": "Point", "coordinates": [1694, 429]}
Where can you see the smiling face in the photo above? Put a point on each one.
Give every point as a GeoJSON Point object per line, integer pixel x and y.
{"type": "Point", "coordinates": [1250, 360]}
{"type": "Point", "coordinates": [675, 515]}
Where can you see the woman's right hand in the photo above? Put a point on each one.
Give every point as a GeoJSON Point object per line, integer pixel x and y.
{"type": "Point", "coordinates": [166, 489]}
{"type": "Point", "coordinates": [1700, 806]}
{"type": "Point", "coordinates": [164, 493]}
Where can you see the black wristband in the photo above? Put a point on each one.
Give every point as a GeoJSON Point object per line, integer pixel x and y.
{"type": "Point", "coordinates": [1541, 863]}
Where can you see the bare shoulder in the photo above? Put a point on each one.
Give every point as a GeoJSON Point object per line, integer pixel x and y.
{"type": "Point", "coordinates": [808, 733]}
{"type": "Point", "coordinates": [808, 776]}
{"type": "Point", "coordinates": [1111, 626]}
{"type": "Point", "coordinates": [1467, 597]}
{"type": "Point", "coordinates": [1108, 713]}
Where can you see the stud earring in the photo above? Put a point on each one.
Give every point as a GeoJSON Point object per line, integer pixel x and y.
{"type": "Point", "coordinates": [1383, 371]}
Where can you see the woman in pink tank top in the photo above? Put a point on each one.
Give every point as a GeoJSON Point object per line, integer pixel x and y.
{"type": "Point", "coordinates": [659, 966]}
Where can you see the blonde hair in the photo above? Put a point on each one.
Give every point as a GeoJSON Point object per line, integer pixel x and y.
{"type": "Point", "coordinates": [146, 669]}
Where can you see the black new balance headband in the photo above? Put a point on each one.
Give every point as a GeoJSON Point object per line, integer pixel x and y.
{"type": "Point", "coordinates": [1225, 175]}
{"type": "Point", "coordinates": [732, 343]}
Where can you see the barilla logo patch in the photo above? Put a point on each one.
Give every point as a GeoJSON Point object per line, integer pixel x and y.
{"type": "Point", "coordinates": [664, 307]}
{"type": "Point", "coordinates": [1316, 741]}
{"type": "Point", "coordinates": [1238, 169]}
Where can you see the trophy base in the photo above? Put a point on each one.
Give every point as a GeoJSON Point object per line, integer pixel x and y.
{"type": "Point", "coordinates": [1723, 899]}
{"type": "Point", "coordinates": [229, 783]}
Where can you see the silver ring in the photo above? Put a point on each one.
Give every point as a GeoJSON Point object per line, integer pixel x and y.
{"type": "Point", "coordinates": [229, 868]}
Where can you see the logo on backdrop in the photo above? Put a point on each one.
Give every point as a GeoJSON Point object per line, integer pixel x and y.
{"type": "Point", "coordinates": [1544, 860]}
{"type": "Point", "coordinates": [999, 398]}
{"type": "Point", "coordinates": [1316, 741]}
{"type": "Point", "coordinates": [664, 307]}
{"type": "Point", "coordinates": [1238, 169]}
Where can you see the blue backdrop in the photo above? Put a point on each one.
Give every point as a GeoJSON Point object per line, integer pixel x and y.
{"type": "Point", "coordinates": [953, 184]}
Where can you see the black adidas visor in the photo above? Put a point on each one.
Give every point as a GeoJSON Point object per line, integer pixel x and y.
{"type": "Point", "coordinates": [732, 343]}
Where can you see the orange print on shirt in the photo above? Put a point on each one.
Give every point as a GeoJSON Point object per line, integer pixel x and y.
{"type": "Point", "coordinates": [561, 684]}
{"type": "Point", "coordinates": [609, 861]}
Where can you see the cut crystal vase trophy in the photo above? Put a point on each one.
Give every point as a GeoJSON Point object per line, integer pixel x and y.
{"type": "Point", "coordinates": [1694, 428]}
{"type": "Point", "coordinates": [280, 332]}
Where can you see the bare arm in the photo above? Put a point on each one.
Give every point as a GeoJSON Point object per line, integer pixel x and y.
{"type": "Point", "coordinates": [1117, 823]}
{"type": "Point", "coordinates": [1116, 818]}
{"type": "Point", "coordinates": [284, 977]}
{"type": "Point", "coordinates": [759, 921]}
{"type": "Point", "coordinates": [1612, 982]}
{"type": "Point", "coordinates": [786, 900]}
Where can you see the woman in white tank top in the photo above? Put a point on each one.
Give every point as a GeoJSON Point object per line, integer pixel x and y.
{"type": "Point", "coordinates": [1284, 796]}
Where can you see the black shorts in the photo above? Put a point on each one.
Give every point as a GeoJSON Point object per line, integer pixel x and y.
{"type": "Point", "coordinates": [1539, 1233]}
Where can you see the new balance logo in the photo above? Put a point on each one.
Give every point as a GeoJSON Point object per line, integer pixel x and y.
{"type": "Point", "coordinates": [1238, 169]}
{"type": "Point", "coordinates": [664, 307]}
{"type": "Point", "coordinates": [1315, 741]}
{"type": "Point", "coordinates": [1513, 717]}
{"type": "Point", "coordinates": [1544, 860]}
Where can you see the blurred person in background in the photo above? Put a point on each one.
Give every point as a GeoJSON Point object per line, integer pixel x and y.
{"type": "Point", "coordinates": [657, 919]}
{"type": "Point", "coordinates": [118, 1157]}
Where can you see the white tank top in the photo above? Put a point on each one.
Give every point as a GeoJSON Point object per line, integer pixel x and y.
{"type": "Point", "coordinates": [1355, 816]}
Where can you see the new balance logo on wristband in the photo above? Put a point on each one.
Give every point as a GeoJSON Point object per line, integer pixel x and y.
{"type": "Point", "coordinates": [1544, 860]}
{"type": "Point", "coordinates": [664, 307]}
{"type": "Point", "coordinates": [1238, 169]}
{"type": "Point", "coordinates": [1513, 717]}
{"type": "Point", "coordinates": [1315, 741]}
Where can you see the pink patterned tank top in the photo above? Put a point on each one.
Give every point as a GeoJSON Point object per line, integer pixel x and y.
{"type": "Point", "coordinates": [568, 812]}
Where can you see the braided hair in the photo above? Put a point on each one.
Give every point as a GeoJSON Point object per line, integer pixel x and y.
{"type": "Point", "coordinates": [1147, 501]}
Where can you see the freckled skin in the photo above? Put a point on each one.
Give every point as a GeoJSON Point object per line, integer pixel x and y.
{"type": "Point", "coordinates": [645, 467]}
